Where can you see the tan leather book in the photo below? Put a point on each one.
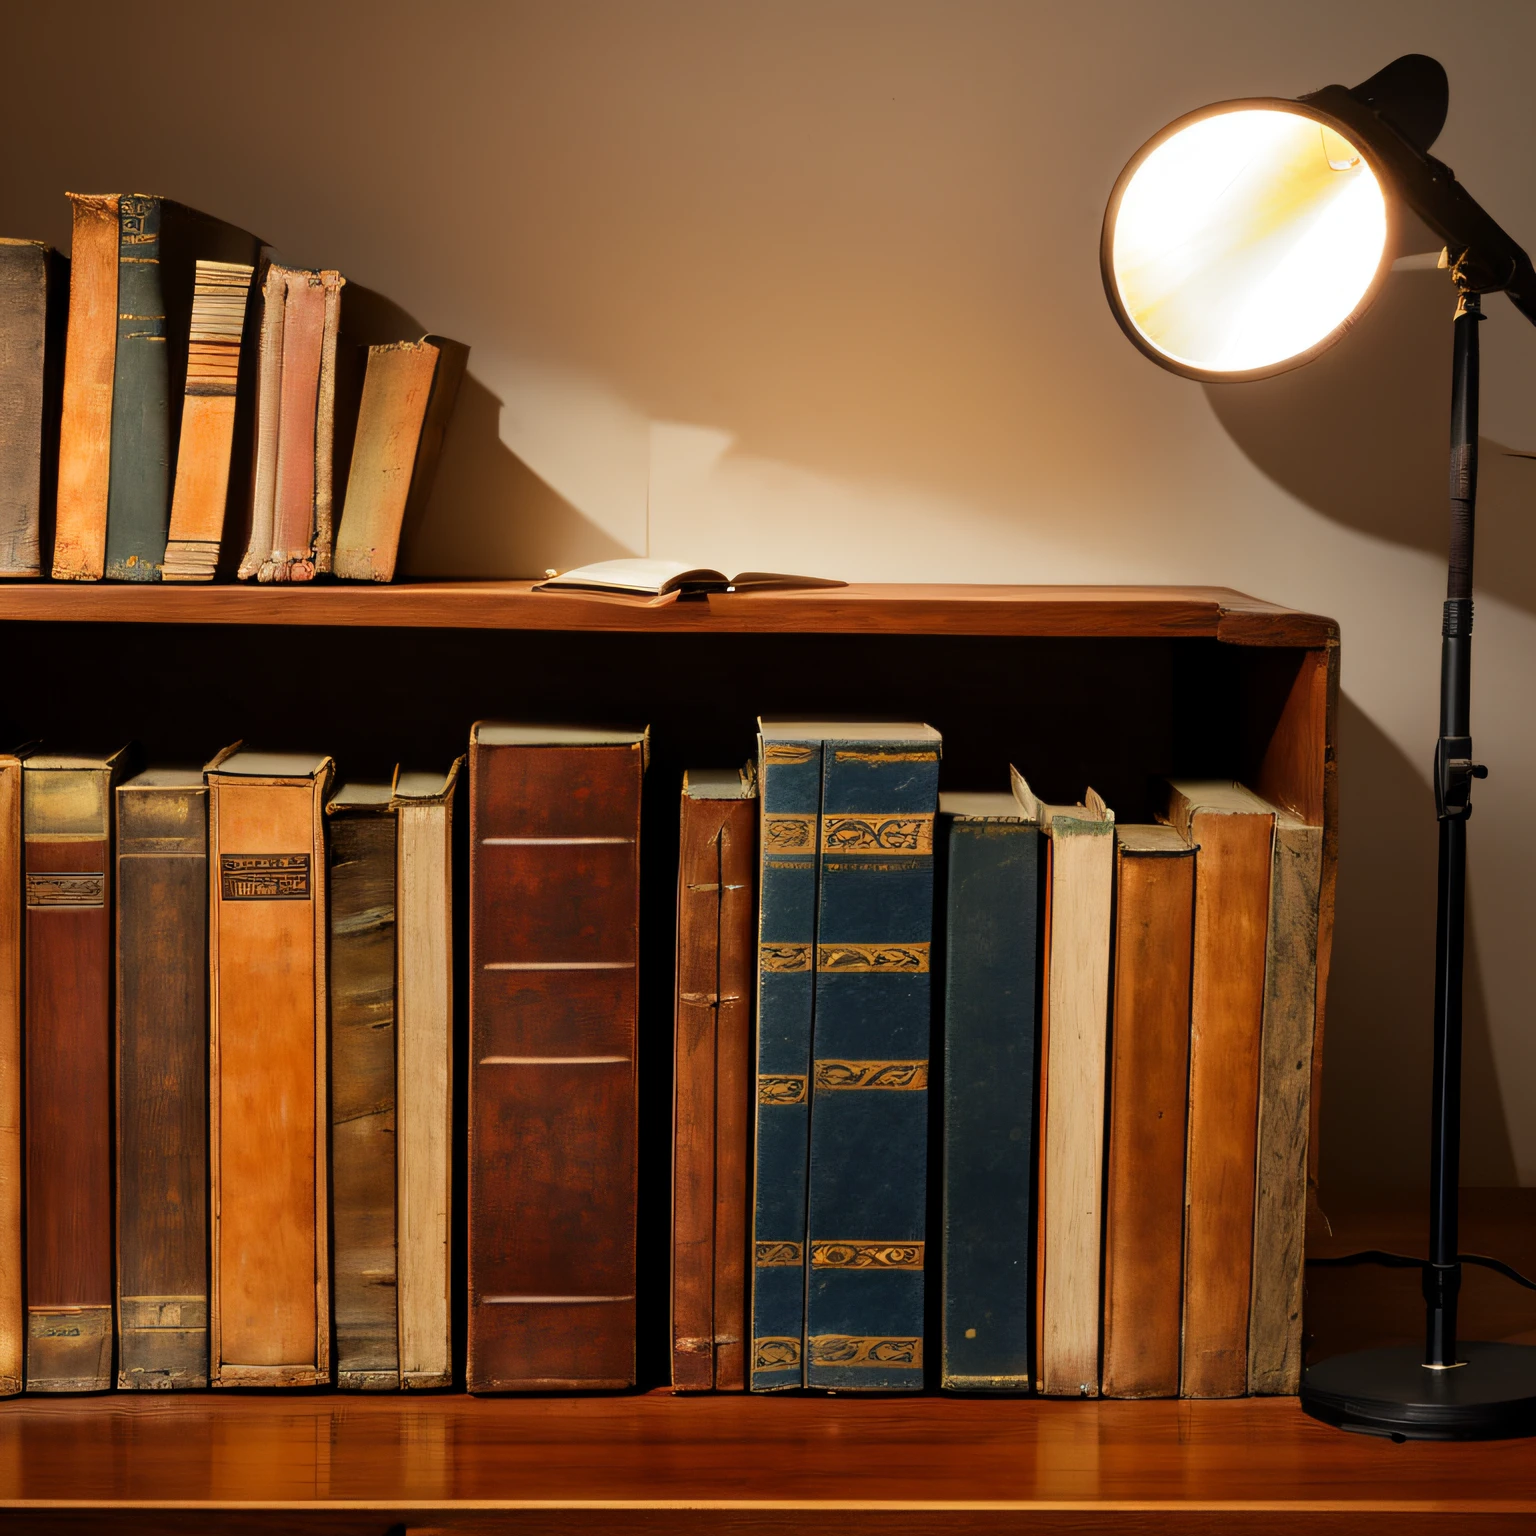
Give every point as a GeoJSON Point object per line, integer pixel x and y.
{"type": "Point", "coordinates": [1148, 1108]}
{"type": "Point", "coordinates": [331, 284]}
{"type": "Point", "coordinates": [269, 399]}
{"type": "Point", "coordinates": [269, 1316]}
{"type": "Point", "coordinates": [1285, 1108]}
{"type": "Point", "coordinates": [1079, 889]}
{"type": "Point", "coordinates": [12, 1287]}
{"type": "Point", "coordinates": [424, 806]}
{"type": "Point", "coordinates": [90, 357]}
{"type": "Point", "coordinates": [1234, 831]}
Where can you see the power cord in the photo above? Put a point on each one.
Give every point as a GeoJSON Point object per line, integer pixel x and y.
{"type": "Point", "coordinates": [1403, 1261]}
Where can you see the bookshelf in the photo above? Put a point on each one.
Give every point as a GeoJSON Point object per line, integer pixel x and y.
{"type": "Point", "coordinates": [1114, 686]}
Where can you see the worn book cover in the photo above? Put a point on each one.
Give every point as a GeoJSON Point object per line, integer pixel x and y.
{"type": "Point", "coordinates": [991, 852]}
{"type": "Point", "coordinates": [711, 1080]}
{"type": "Point", "coordinates": [867, 1203]}
{"type": "Point", "coordinates": [12, 1276]}
{"type": "Point", "coordinates": [554, 933]}
{"type": "Point", "coordinates": [1148, 1107]}
{"type": "Point", "coordinates": [162, 1077]}
{"type": "Point", "coordinates": [270, 1313]}
{"type": "Point", "coordinates": [67, 818]}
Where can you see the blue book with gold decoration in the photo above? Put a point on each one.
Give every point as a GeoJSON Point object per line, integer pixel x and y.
{"type": "Point", "coordinates": [869, 1095]}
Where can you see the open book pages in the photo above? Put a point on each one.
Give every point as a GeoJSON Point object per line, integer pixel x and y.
{"type": "Point", "coordinates": [662, 578]}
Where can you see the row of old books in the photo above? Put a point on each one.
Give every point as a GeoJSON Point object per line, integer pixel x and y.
{"type": "Point", "coordinates": [1123, 1091]}
{"type": "Point", "coordinates": [174, 383]}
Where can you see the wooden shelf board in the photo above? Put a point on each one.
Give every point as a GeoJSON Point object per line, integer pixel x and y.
{"type": "Point", "coordinates": [1135, 612]}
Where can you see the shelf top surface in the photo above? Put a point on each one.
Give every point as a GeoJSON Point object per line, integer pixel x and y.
{"type": "Point", "coordinates": [1131, 612]}
{"type": "Point", "coordinates": [655, 1450]}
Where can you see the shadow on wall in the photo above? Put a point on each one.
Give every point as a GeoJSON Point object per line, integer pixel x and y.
{"type": "Point", "coordinates": [1377, 1040]}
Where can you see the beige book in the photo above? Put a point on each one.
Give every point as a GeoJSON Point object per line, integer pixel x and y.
{"type": "Point", "coordinates": [325, 424]}
{"type": "Point", "coordinates": [269, 394]}
{"type": "Point", "coordinates": [12, 1333]}
{"type": "Point", "coordinates": [269, 1317]}
{"type": "Point", "coordinates": [1285, 1108]}
{"type": "Point", "coordinates": [1074, 1023]}
{"type": "Point", "coordinates": [423, 804]}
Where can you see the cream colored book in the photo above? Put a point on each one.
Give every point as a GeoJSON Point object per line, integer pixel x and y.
{"type": "Point", "coordinates": [423, 803]}
{"type": "Point", "coordinates": [11, 1287]}
{"type": "Point", "coordinates": [1074, 1023]}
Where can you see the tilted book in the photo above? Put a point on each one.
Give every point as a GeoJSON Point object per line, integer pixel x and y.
{"type": "Point", "coordinates": [12, 1274]}
{"type": "Point", "coordinates": [270, 1312]}
{"type": "Point", "coordinates": [712, 1078]}
{"type": "Point", "coordinates": [67, 815]}
{"type": "Point", "coordinates": [991, 855]}
{"type": "Point", "coordinates": [553, 1004]}
{"type": "Point", "coordinates": [789, 790]}
{"type": "Point", "coordinates": [162, 1080]}
{"type": "Point", "coordinates": [867, 1204]}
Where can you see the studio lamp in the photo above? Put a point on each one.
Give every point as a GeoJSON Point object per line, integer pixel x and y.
{"type": "Point", "coordinates": [1244, 240]}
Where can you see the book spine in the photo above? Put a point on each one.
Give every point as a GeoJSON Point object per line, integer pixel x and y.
{"type": "Point", "coordinates": [991, 1015]}
{"type": "Point", "coordinates": [554, 925]}
{"type": "Point", "coordinates": [90, 356]}
{"type": "Point", "coordinates": [23, 423]}
{"type": "Point", "coordinates": [1149, 1102]}
{"type": "Point", "coordinates": [162, 1075]}
{"type": "Point", "coordinates": [12, 1274]}
{"type": "Point", "coordinates": [789, 779]}
{"type": "Point", "coordinates": [363, 1140]}
{"type": "Point", "coordinates": [424, 930]}
{"type": "Point", "coordinates": [291, 557]}
{"type": "Point", "coordinates": [269, 1318]}
{"type": "Point", "coordinates": [869, 1095]}
{"type": "Point", "coordinates": [1285, 1109]}
{"type": "Point", "coordinates": [67, 815]}
{"type": "Point", "coordinates": [325, 423]}
{"type": "Point", "coordinates": [139, 497]}
{"type": "Point", "coordinates": [269, 396]}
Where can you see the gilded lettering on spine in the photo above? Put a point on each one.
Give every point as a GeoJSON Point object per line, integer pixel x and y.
{"type": "Point", "coordinates": [898, 1075]}
{"type": "Point", "coordinates": [66, 890]}
{"type": "Point", "coordinates": [851, 1349]}
{"type": "Point", "coordinates": [874, 959]}
{"type": "Point", "coordinates": [784, 1089]}
{"type": "Point", "coordinates": [877, 834]}
{"type": "Point", "coordinates": [854, 1255]}
{"type": "Point", "coordinates": [769, 1255]}
{"type": "Point", "coordinates": [784, 957]}
{"type": "Point", "coordinates": [264, 876]}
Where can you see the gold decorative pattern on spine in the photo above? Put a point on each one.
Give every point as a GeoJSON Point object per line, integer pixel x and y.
{"type": "Point", "coordinates": [900, 1075]}
{"type": "Point", "coordinates": [848, 755]}
{"type": "Point", "coordinates": [775, 1354]}
{"type": "Point", "coordinates": [877, 834]}
{"type": "Point", "coordinates": [66, 890]}
{"type": "Point", "coordinates": [784, 957]}
{"type": "Point", "coordinates": [789, 834]}
{"type": "Point", "coordinates": [853, 1255]}
{"type": "Point", "coordinates": [850, 1349]}
{"type": "Point", "coordinates": [264, 876]}
{"type": "Point", "coordinates": [773, 1255]}
{"type": "Point", "coordinates": [786, 752]}
{"type": "Point", "coordinates": [781, 1090]}
{"type": "Point", "coordinates": [873, 959]}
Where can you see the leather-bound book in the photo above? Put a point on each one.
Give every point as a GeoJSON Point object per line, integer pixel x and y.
{"type": "Point", "coordinates": [269, 1318]}
{"type": "Point", "coordinates": [553, 1003]}
{"type": "Point", "coordinates": [424, 805]}
{"type": "Point", "coordinates": [12, 1276]}
{"type": "Point", "coordinates": [1074, 1021]}
{"type": "Point", "coordinates": [866, 1215]}
{"type": "Point", "coordinates": [1285, 1107]}
{"type": "Point", "coordinates": [162, 1078]}
{"type": "Point", "coordinates": [34, 282]}
{"type": "Point", "coordinates": [991, 1029]}
{"type": "Point", "coordinates": [1148, 1107]}
{"type": "Point", "coordinates": [67, 815]}
{"type": "Point", "coordinates": [363, 857]}
{"type": "Point", "coordinates": [1234, 831]}
{"type": "Point", "coordinates": [408, 397]}
{"type": "Point", "coordinates": [789, 787]}
{"type": "Point", "coordinates": [712, 1078]}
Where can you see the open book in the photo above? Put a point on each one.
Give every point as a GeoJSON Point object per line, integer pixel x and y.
{"type": "Point", "coordinates": [664, 578]}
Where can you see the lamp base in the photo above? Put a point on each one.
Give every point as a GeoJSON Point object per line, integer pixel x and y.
{"type": "Point", "coordinates": [1392, 1392]}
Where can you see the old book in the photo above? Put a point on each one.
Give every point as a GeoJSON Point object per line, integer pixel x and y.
{"type": "Point", "coordinates": [991, 851]}
{"type": "Point", "coordinates": [12, 1272]}
{"type": "Point", "coordinates": [423, 804]}
{"type": "Point", "coordinates": [269, 395]}
{"type": "Point", "coordinates": [206, 448]}
{"type": "Point", "coordinates": [1285, 1107]}
{"type": "Point", "coordinates": [669, 579]}
{"type": "Point", "coordinates": [712, 1078]}
{"type": "Point", "coordinates": [1234, 831]}
{"type": "Point", "coordinates": [67, 818]}
{"type": "Point", "coordinates": [269, 1315]}
{"type": "Point", "coordinates": [408, 398]}
{"type": "Point", "coordinates": [866, 1212]}
{"type": "Point", "coordinates": [363, 857]}
{"type": "Point", "coordinates": [553, 938]}
{"type": "Point", "coordinates": [162, 1078]}
{"type": "Point", "coordinates": [1074, 1020]}
{"type": "Point", "coordinates": [789, 787]}
{"type": "Point", "coordinates": [1148, 1108]}
{"type": "Point", "coordinates": [33, 305]}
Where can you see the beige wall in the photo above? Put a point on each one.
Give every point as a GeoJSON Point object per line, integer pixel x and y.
{"type": "Point", "coordinates": [814, 284]}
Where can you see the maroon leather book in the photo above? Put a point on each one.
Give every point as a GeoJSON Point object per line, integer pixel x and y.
{"type": "Point", "coordinates": [553, 1001]}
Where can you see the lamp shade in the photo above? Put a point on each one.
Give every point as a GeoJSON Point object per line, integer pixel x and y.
{"type": "Point", "coordinates": [1244, 239]}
